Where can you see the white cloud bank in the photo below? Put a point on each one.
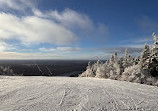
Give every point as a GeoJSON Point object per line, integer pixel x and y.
{"type": "Point", "coordinates": [52, 27]}
{"type": "Point", "coordinates": [17, 4]}
{"type": "Point", "coordinates": [31, 26]}
{"type": "Point", "coordinates": [32, 29]}
{"type": "Point", "coordinates": [45, 27]}
{"type": "Point", "coordinates": [65, 49]}
{"type": "Point", "coordinates": [74, 21]}
{"type": "Point", "coordinates": [17, 55]}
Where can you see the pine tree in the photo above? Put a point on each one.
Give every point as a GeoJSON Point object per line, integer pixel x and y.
{"type": "Point", "coordinates": [154, 48]}
{"type": "Point", "coordinates": [111, 62]}
{"type": "Point", "coordinates": [99, 63]}
{"type": "Point", "coordinates": [145, 57]}
{"type": "Point", "coordinates": [136, 60]}
{"type": "Point", "coordinates": [125, 62]}
{"type": "Point", "coordinates": [153, 66]}
{"type": "Point", "coordinates": [89, 71]}
{"type": "Point", "coordinates": [115, 57]}
{"type": "Point", "coordinates": [120, 62]}
{"type": "Point", "coordinates": [89, 64]}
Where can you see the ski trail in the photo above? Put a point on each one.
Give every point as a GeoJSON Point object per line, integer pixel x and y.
{"type": "Point", "coordinates": [75, 94]}
{"type": "Point", "coordinates": [62, 99]}
{"type": "Point", "coordinates": [66, 91]}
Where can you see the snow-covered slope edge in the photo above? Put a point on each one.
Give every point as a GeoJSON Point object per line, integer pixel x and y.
{"type": "Point", "coordinates": [70, 94]}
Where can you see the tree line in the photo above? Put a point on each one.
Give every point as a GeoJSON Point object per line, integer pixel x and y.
{"type": "Point", "coordinates": [142, 69]}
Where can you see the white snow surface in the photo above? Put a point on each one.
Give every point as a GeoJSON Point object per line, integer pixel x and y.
{"type": "Point", "coordinates": [19, 93]}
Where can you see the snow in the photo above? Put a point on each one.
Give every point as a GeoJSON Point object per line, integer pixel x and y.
{"type": "Point", "coordinates": [19, 93]}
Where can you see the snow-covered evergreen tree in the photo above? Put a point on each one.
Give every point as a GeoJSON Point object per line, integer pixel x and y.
{"type": "Point", "coordinates": [125, 60]}
{"type": "Point", "coordinates": [120, 62]}
{"type": "Point", "coordinates": [115, 57]}
{"type": "Point", "coordinates": [103, 71]}
{"type": "Point", "coordinates": [145, 57]}
{"type": "Point", "coordinates": [153, 66]}
{"type": "Point", "coordinates": [89, 71]}
{"type": "Point", "coordinates": [136, 60]}
{"type": "Point", "coordinates": [111, 62]}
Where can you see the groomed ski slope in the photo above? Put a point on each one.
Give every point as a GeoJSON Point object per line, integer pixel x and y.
{"type": "Point", "coordinates": [75, 94]}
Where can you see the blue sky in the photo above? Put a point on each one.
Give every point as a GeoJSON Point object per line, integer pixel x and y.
{"type": "Point", "coordinates": [75, 29]}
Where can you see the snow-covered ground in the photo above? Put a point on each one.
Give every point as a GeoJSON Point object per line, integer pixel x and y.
{"type": "Point", "coordinates": [75, 94]}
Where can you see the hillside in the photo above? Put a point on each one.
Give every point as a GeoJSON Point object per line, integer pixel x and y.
{"type": "Point", "coordinates": [75, 94]}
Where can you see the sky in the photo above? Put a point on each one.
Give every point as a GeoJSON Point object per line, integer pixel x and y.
{"type": "Point", "coordinates": [75, 29]}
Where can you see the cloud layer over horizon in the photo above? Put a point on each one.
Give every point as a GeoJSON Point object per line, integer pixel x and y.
{"type": "Point", "coordinates": [51, 27]}
{"type": "Point", "coordinates": [26, 29]}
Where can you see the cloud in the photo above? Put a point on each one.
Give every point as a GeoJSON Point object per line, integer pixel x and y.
{"type": "Point", "coordinates": [70, 19]}
{"type": "Point", "coordinates": [24, 24]}
{"type": "Point", "coordinates": [144, 40]}
{"type": "Point", "coordinates": [121, 50]}
{"type": "Point", "coordinates": [17, 55]}
{"type": "Point", "coordinates": [60, 49]}
{"type": "Point", "coordinates": [5, 47]}
{"type": "Point", "coordinates": [17, 4]}
{"type": "Point", "coordinates": [60, 28]}
{"type": "Point", "coordinates": [77, 22]}
{"type": "Point", "coordinates": [32, 29]}
{"type": "Point", "coordinates": [47, 50]}
{"type": "Point", "coordinates": [68, 49]}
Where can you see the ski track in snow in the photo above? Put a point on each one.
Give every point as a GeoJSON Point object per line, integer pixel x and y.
{"type": "Point", "coordinates": [75, 94]}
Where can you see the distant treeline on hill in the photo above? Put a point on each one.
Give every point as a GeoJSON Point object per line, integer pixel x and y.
{"type": "Point", "coordinates": [143, 69]}
{"type": "Point", "coordinates": [42, 67]}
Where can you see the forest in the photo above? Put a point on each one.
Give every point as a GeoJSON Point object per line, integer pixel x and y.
{"type": "Point", "coordinates": [142, 69]}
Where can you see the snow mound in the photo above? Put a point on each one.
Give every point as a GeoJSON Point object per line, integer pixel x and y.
{"type": "Point", "coordinates": [75, 94]}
